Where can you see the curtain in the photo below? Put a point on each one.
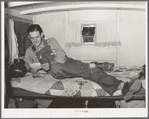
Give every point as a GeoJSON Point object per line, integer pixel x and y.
{"type": "Point", "coordinates": [13, 42]}
{"type": "Point", "coordinates": [107, 34]}
{"type": "Point", "coordinates": [74, 35]}
{"type": "Point", "coordinates": [20, 30]}
{"type": "Point", "coordinates": [16, 34]}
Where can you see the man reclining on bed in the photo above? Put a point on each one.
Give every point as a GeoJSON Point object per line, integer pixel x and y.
{"type": "Point", "coordinates": [54, 61]}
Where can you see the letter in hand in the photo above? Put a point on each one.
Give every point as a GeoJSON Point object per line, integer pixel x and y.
{"type": "Point", "coordinates": [34, 71]}
{"type": "Point", "coordinates": [45, 66]}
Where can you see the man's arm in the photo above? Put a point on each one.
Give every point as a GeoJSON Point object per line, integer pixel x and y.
{"type": "Point", "coordinates": [60, 55]}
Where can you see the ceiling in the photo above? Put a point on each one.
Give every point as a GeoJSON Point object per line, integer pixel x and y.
{"type": "Point", "coordinates": [51, 6]}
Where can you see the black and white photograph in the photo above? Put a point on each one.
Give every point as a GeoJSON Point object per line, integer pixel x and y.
{"type": "Point", "coordinates": [74, 58]}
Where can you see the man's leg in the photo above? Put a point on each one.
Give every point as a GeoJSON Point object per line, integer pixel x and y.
{"type": "Point", "coordinates": [70, 70]}
{"type": "Point", "coordinates": [79, 69]}
{"type": "Point", "coordinates": [109, 83]}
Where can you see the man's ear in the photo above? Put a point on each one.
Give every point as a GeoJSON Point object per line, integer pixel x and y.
{"type": "Point", "coordinates": [42, 35]}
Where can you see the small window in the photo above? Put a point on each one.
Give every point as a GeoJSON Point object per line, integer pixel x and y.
{"type": "Point", "coordinates": [88, 33]}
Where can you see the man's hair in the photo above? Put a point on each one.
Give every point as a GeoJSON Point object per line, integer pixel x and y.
{"type": "Point", "coordinates": [34, 27]}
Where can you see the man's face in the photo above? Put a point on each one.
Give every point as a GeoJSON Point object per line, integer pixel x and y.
{"type": "Point", "coordinates": [36, 38]}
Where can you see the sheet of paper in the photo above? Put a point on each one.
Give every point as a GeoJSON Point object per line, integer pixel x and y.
{"type": "Point", "coordinates": [35, 66]}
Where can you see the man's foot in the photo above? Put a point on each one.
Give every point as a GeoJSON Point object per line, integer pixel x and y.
{"type": "Point", "coordinates": [130, 88]}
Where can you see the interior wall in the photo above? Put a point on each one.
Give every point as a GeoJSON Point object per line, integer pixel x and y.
{"type": "Point", "coordinates": [54, 25]}
{"type": "Point", "coordinates": [131, 34]}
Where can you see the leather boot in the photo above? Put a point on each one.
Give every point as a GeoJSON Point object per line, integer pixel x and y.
{"type": "Point", "coordinates": [130, 88]}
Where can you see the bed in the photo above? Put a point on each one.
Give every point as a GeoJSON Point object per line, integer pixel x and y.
{"type": "Point", "coordinates": [46, 86]}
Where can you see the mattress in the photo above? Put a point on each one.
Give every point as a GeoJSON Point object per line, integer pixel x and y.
{"type": "Point", "coordinates": [72, 87]}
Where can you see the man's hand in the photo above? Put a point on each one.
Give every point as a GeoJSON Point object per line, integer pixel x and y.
{"type": "Point", "coordinates": [45, 66]}
{"type": "Point", "coordinates": [34, 71]}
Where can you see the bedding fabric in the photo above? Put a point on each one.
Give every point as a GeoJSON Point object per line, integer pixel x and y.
{"type": "Point", "coordinates": [71, 87]}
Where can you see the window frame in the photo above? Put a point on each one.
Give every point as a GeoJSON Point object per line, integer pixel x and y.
{"type": "Point", "coordinates": [95, 35]}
